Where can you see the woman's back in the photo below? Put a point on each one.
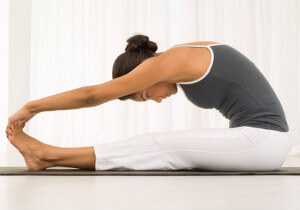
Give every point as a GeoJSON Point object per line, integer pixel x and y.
{"type": "Point", "coordinates": [233, 85]}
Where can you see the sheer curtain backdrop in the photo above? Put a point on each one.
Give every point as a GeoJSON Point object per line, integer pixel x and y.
{"type": "Point", "coordinates": [73, 43]}
{"type": "Point", "coordinates": [4, 5]}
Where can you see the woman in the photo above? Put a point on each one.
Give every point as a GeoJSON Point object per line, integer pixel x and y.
{"type": "Point", "coordinates": [211, 74]}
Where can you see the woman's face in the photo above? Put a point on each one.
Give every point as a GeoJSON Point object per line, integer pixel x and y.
{"type": "Point", "coordinates": [156, 92]}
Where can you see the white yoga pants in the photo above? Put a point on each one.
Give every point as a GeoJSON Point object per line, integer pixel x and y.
{"type": "Point", "coordinates": [218, 149]}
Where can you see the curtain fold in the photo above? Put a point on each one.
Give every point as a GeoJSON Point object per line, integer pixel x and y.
{"type": "Point", "coordinates": [75, 42]}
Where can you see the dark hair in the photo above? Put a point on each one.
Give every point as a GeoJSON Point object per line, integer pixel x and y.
{"type": "Point", "coordinates": [138, 49]}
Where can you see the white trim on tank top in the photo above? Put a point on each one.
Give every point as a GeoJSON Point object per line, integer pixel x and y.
{"type": "Point", "coordinates": [209, 67]}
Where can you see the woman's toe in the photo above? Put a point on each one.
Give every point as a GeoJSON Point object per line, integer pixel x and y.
{"type": "Point", "coordinates": [12, 128]}
{"type": "Point", "coordinates": [9, 131]}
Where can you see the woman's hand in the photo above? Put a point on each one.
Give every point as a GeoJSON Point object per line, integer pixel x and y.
{"type": "Point", "coordinates": [20, 117]}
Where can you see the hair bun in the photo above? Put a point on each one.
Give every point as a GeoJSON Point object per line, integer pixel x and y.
{"type": "Point", "coordinates": [140, 42]}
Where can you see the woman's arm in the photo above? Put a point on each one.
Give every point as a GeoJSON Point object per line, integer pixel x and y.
{"type": "Point", "coordinates": [77, 98]}
{"type": "Point", "coordinates": [165, 67]}
{"type": "Point", "coordinates": [72, 99]}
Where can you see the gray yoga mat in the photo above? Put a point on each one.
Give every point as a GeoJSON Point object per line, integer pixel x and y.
{"type": "Point", "coordinates": [65, 171]}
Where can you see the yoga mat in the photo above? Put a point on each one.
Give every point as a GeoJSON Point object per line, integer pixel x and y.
{"type": "Point", "coordinates": [65, 171]}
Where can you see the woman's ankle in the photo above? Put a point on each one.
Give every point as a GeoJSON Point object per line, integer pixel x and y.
{"type": "Point", "coordinates": [50, 154]}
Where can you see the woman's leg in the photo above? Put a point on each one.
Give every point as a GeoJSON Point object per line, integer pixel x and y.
{"type": "Point", "coordinates": [39, 156]}
{"type": "Point", "coordinates": [76, 157]}
{"type": "Point", "coordinates": [230, 149]}
{"type": "Point", "coordinates": [220, 149]}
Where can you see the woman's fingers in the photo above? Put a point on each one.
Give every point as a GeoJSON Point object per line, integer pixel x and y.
{"type": "Point", "coordinates": [12, 126]}
{"type": "Point", "coordinates": [20, 117]}
{"type": "Point", "coordinates": [12, 123]}
{"type": "Point", "coordinates": [9, 127]}
{"type": "Point", "coordinates": [8, 132]}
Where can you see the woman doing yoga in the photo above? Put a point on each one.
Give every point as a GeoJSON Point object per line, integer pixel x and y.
{"type": "Point", "coordinates": [211, 75]}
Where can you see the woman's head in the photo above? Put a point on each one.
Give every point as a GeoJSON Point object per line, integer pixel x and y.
{"type": "Point", "coordinates": [155, 92]}
{"type": "Point", "coordinates": [138, 49]}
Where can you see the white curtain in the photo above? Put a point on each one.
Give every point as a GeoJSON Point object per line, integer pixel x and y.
{"type": "Point", "coordinates": [75, 42]}
{"type": "Point", "coordinates": [4, 7]}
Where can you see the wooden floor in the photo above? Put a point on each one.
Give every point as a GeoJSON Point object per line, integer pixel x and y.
{"type": "Point", "coordinates": [156, 192]}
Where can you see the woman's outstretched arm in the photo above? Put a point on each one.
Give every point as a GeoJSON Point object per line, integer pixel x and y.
{"type": "Point", "coordinates": [166, 67]}
{"type": "Point", "coordinates": [72, 99]}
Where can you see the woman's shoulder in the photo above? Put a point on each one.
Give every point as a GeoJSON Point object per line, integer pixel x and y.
{"type": "Point", "coordinates": [186, 63]}
{"type": "Point", "coordinates": [175, 56]}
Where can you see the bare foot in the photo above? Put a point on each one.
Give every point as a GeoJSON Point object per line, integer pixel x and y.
{"type": "Point", "coordinates": [31, 149]}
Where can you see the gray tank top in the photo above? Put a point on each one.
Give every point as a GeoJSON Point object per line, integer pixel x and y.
{"type": "Point", "coordinates": [235, 87]}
